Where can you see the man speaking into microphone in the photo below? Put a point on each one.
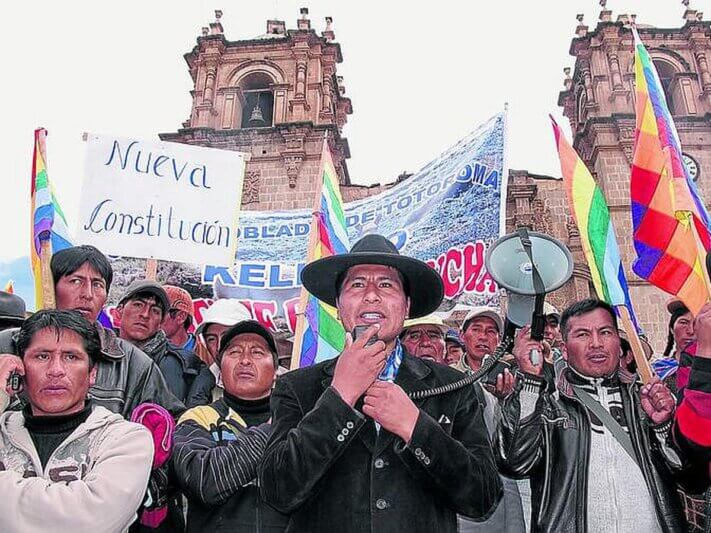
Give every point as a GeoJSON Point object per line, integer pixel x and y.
{"type": "Point", "coordinates": [350, 451]}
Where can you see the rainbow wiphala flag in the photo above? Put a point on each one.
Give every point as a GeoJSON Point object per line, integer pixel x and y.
{"type": "Point", "coordinates": [324, 336]}
{"type": "Point", "coordinates": [597, 233]}
{"type": "Point", "coordinates": [670, 222]}
{"type": "Point", "coordinates": [47, 219]}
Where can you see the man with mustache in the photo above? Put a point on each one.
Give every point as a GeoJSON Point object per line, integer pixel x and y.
{"type": "Point", "coordinates": [481, 332]}
{"type": "Point", "coordinates": [350, 451]}
{"type": "Point", "coordinates": [424, 337]}
{"type": "Point", "coordinates": [65, 465]}
{"type": "Point", "coordinates": [597, 450]}
{"type": "Point", "coordinates": [125, 376]}
{"type": "Point", "coordinates": [217, 447]}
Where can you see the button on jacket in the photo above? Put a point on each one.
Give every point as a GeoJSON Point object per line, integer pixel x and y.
{"type": "Point", "coordinates": [329, 467]}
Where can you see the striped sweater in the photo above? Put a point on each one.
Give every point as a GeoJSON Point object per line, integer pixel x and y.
{"type": "Point", "coordinates": [215, 459]}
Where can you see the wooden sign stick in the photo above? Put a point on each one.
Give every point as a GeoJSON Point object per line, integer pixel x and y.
{"type": "Point", "coordinates": [151, 269]}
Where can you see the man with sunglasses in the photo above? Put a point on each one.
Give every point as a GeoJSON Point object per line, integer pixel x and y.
{"type": "Point", "coordinates": [179, 317]}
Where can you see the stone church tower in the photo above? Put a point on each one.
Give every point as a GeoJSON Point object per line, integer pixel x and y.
{"type": "Point", "coordinates": [599, 101]}
{"type": "Point", "coordinates": [275, 97]}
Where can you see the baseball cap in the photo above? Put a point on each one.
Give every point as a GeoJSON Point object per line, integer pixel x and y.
{"type": "Point", "coordinates": [179, 299]}
{"type": "Point", "coordinates": [149, 287]}
{"type": "Point", "coordinates": [226, 312]}
{"type": "Point", "coordinates": [483, 311]}
{"type": "Point", "coordinates": [247, 326]}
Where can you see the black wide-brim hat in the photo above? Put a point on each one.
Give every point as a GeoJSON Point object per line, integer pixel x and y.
{"type": "Point", "coordinates": [422, 283]}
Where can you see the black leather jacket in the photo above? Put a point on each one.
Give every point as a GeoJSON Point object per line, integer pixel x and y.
{"type": "Point", "coordinates": [125, 377]}
{"type": "Point", "coordinates": [552, 447]}
{"type": "Point", "coordinates": [179, 366]}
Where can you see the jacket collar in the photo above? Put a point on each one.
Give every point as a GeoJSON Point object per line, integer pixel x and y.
{"type": "Point", "coordinates": [412, 370]}
{"type": "Point", "coordinates": [12, 426]}
{"type": "Point", "coordinates": [110, 346]}
{"type": "Point", "coordinates": [569, 377]}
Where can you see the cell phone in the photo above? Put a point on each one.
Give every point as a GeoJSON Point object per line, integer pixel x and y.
{"type": "Point", "coordinates": [359, 330]}
{"type": "Point", "coordinates": [15, 382]}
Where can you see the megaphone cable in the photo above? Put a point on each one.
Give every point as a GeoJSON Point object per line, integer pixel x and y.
{"type": "Point", "coordinates": [485, 368]}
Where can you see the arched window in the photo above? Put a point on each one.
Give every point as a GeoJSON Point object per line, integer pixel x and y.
{"type": "Point", "coordinates": [258, 106]}
{"type": "Point", "coordinates": [666, 72]}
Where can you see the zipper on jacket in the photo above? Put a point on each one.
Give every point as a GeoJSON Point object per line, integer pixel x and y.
{"type": "Point", "coordinates": [583, 502]}
{"type": "Point", "coordinates": [643, 465]}
{"type": "Point", "coordinates": [546, 482]}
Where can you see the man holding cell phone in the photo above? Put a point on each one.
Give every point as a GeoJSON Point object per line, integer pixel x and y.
{"type": "Point", "coordinates": [350, 451]}
{"type": "Point", "coordinates": [65, 464]}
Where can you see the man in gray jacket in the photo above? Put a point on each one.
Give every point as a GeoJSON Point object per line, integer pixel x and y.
{"type": "Point", "coordinates": [125, 376]}
{"type": "Point", "coordinates": [63, 464]}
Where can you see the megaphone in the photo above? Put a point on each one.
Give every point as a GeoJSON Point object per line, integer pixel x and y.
{"type": "Point", "coordinates": [528, 265]}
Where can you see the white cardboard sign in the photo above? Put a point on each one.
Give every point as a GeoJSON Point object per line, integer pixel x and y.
{"type": "Point", "coordinates": [161, 200]}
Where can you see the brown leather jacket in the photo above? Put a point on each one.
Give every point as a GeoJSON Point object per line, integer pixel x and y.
{"type": "Point", "coordinates": [125, 377]}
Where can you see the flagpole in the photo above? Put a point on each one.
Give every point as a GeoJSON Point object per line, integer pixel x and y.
{"type": "Point", "coordinates": [644, 368]}
{"type": "Point", "coordinates": [48, 296]}
{"type": "Point", "coordinates": [45, 238]}
{"type": "Point", "coordinates": [311, 246]}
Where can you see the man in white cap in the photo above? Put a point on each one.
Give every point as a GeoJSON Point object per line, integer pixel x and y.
{"type": "Point", "coordinates": [216, 319]}
{"type": "Point", "coordinates": [424, 337]}
{"type": "Point", "coordinates": [481, 332]}
{"type": "Point", "coordinates": [551, 332]}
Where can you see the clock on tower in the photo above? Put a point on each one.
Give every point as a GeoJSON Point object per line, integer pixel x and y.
{"type": "Point", "coordinates": [691, 165]}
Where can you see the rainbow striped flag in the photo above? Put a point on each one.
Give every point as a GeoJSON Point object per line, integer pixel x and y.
{"type": "Point", "coordinates": [670, 222]}
{"type": "Point", "coordinates": [321, 336]}
{"type": "Point", "coordinates": [597, 233]}
{"type": "Point", "coordinates": [47, 222]}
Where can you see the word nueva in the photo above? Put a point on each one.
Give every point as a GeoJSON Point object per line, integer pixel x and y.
{"type": "Point", "coordinates": [159, 165]}
{"type": "Point", "coordinates": [104, 218]}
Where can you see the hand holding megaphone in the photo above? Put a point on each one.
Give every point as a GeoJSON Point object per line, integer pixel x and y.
{"type": "Point", "coordinates": [529, 353]}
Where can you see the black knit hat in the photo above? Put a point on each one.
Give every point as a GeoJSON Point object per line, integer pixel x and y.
{"type": "Point", "coordinates": [247, 326]}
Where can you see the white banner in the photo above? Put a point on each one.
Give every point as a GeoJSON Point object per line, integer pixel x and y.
{"type": "Point", "coordinates": [161, 200]}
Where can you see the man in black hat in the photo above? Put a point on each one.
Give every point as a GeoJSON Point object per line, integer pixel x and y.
{"type": "Point", "coordinates": [141, 311]}
{"type": "Point", "coordinates": [12, 310]}
{"type": "Point", "coordinates": [217, 447]}
{"type": "Point", "coordinates": [350, 451]}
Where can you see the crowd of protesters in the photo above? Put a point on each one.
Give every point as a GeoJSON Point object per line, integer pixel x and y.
{"type": "Point", "coordinates": [154, 428]}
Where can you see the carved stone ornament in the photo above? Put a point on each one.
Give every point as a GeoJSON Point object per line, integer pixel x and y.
{"type": "Point", "coordinates": [250, 187]}
{"type": "Point", "coordinates": [293, 164]}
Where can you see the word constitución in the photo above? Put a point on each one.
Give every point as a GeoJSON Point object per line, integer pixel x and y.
{"type": "Point", "coordinates": [104, 218]}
